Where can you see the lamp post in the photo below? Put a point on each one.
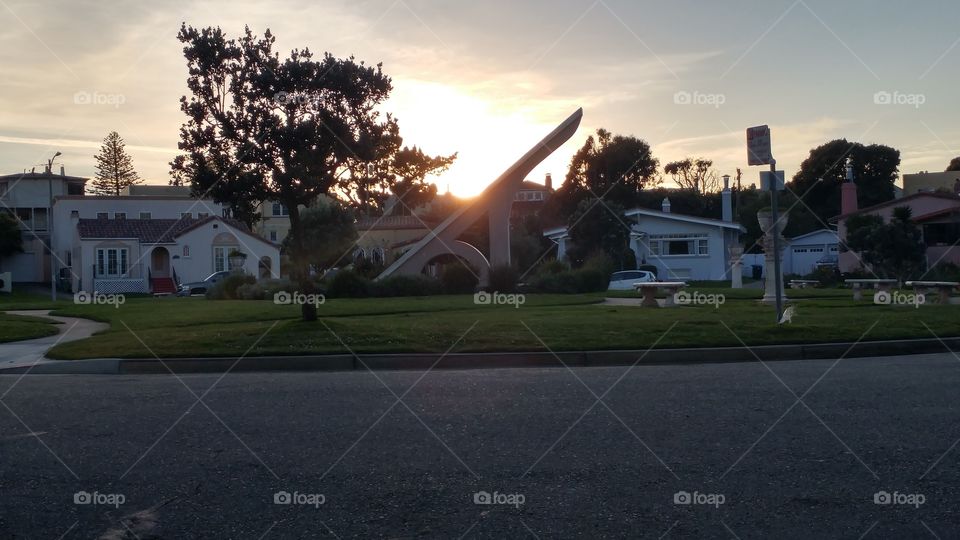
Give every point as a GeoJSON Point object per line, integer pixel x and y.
{"type": "Point", "coordinates": [53, 254]}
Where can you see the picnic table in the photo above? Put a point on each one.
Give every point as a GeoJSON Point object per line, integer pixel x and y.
{"type": "Point", "coordinates": [943, 288]}
{"type": "Point", "coordinates": [649, 292]}
{"type": "Point", "coordinates": [884, 285]}
{"type": "Point", "coordinates": [803, 283]}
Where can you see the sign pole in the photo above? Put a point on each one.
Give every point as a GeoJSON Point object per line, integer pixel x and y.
{"type": "Point", "coordinates": [775, 213]}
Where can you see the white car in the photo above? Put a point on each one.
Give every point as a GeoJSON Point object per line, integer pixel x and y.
{"type": "Point", "coordinates": [623, 281]}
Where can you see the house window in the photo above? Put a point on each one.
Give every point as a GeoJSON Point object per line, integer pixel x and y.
{"type": "Point", "coordinates": [39, 219]}
{"type": "Point", "coordinates": [119, 215]}
{"type": "Point", "coordinates": [25, 217]}
{"type": "Point", "coordinates": [75, 213]}
{"type": "Point", "coordinates": [185, 215]}
{"type": "Point", "coordinates": [273, 236]}
{"type": "Point", "coordinates": [111, 262]}
{"type": "Point", "coordinates": [280, 210]}
{"type": "Point", "coordinates": [703, 247]}
{"type": "Point", "coordinates": [102, 215]}
{"type": "Point", "coordinates": [655, 247]}
{"type": "Point", "coordinates": [186, 252]}
{"type": "Point", "coordinates": [226, 212]}
{"type": "Point", "coordinates": [74, 188]}
{"type": "Point", "coordinates": [680, 245]}
{"type": "Point", "coordinates": [146, 215]}
{"type": "Point", "coordinates": [221, 257]}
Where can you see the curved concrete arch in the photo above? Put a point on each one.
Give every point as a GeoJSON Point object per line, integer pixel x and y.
{"type": "Point", "coordinates": [497, 200]}
{"type": "Point", "coordinates": [459, 248]}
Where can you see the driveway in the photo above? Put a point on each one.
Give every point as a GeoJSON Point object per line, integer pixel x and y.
{"type": "Point", "coordinates": [32, 351]}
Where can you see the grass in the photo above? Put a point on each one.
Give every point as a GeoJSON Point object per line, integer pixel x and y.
{"type": "Point", "coordinates": [20, 327]}
{"type": "Point", "coordinates": [181, 327]}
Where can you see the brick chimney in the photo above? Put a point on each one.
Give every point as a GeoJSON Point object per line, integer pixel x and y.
{"type": "Point", "coordinates": [726, 199]}
{"type": "Point", "coordinates": [548, 182]}
{"type": "Point", "coordinates": [848, 192]}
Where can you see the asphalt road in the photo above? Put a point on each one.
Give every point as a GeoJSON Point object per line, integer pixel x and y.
{"type": "Point", "coordinates": [357, 463]}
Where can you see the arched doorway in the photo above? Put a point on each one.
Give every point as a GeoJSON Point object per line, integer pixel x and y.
{"type": "Point", "coordinates": [159, 263]}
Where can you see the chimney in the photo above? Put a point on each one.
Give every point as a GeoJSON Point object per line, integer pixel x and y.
{"type": "Point", "coordinates": [665, 205]}
{"type": "Point", "coordinates": [548, 182]}
{"type": "Point", "coordinates": [61, 171]}
{"type": "Point", "coordinates": [726, 199]}
{"type": "Point", "coordinates": [848, 192]}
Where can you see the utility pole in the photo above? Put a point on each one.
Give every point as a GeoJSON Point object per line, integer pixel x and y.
{"type": "Point", "coordinates": [53, 254]}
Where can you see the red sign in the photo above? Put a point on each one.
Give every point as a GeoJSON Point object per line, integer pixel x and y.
{"type": "Point", "coordinates": [759, 151]}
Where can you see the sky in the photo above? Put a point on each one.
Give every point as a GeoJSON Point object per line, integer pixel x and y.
{"type": "Point", "coordinates": [489, 79]}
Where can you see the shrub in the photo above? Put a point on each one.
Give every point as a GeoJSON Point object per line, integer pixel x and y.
{"type": "Point", "coordinates": [349, 284]}
{"type": "Point", "coordinates": [503, 279]}
{"type": "Point", "coordinates": [251, 291]}
{"type": "Point", "coordinates": [553, 267]}
{"type": "Point", "coordinates": [419, 285]}
{"type": "Point", "coordinates": [458, 278]}
{"type": "Point", "coordinates": [828, 276]}
{"type": "Point", "coordinates": [273, 286]}
{"type": "Point", "coordinates": [944, 272]}
{"type": "Point", "coordinates": [226, 289]}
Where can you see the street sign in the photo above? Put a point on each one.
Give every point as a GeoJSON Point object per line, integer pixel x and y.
{"type": "Point", "coordinates": [765, 180]}
{"type": "Point", "coordinates": [758, 146]}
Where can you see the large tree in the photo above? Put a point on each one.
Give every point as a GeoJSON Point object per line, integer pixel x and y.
{"type": "Point", "coordinates": [397, 180]}
{"type": "Point", "coordinates": [329, 236]}
{"type": "Point", "coordinates": [11, 241]}
{"type": "Point", "coordinates": [114, 167]}
{"type": "Point", "coordinates": [598, 226]}
{"type": "Point", "coordinates": [875, 169]}
{"type": "Point", "coordinates": [264, 128]}
{"type": "Point", "coordinates": [954, 165]}
{"type": "Point", "coordinates": [612, 167]}
{"type": "Point", "coordinates": [694, 174]}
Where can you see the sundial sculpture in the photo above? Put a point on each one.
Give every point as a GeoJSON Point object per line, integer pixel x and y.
{"type": "Point", "coordinates": [497, 200]}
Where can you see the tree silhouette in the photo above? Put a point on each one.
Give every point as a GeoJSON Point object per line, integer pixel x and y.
{"type": "Point", "coordinates": [114, 167]}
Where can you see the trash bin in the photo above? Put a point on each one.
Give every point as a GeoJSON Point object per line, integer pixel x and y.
{"type": "Point", "coordinates": [757, 271]}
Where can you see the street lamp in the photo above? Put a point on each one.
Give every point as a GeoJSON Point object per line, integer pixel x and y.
{"type": "Point", "coordinates": [53, 255]}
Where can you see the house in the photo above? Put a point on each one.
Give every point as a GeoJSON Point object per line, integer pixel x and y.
{"type": "Point", "coordinates": [805, 253]}
{"type": "Point", "coordinates": [680, 246]}
{"type": "Point", "coordinates": [937, 213]}
{"type": "Point", "coordinates": [531, 197]}
{"type": "Point", "coordinates": [383, 240]}
{"type": "Point", "coordinates": [28, 197]}
{"type": "Point", "coordinates": [927, 181]}
{"type": "Point", "coordinates": [116, 255]}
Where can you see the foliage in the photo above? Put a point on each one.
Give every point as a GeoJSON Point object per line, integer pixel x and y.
{"type": "Point", "coordinates": [226, 289]}
{"type": "Point", "coordinates": [613, 167]}
{"type": "Point", "coordinates": [828, 276]}
{"type": "Point", "coordinates": [694, 174]}
{"type": "Point", "coordinates": [945, 271]}
{"type": "Point", "coordinates": [394, 182]}
{"type": "Point", "coordinates": [892, 250]}
{"type": "Point", "coordinates": [458, 278]}
{"type": "Point", "coordinates": [503, 279]}
{"type": "Point", "coordinates": [954, 165]}
{"type": "Point", "coordinates": [418, 285]}
{"type": "Point", "coordinates": [251, 291]}
{"type": "Point", "coordinates": [594, 226]}
{"type": "Point", "coordinates": [11, 240]}
{"type": "Point", "coordinates": [349, 284]}
{"type": "Point", "coordinates": [329, 235]}
{"type": "Point", "coordinates": [593, 276]}
{"type": "Point", "coordinates": [875, 169]}
{"type": "Point", "coordinates": [114, 167]}
{"type": "Point", "coordinates": [261, 128]}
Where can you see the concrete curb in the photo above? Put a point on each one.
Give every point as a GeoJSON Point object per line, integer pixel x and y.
{"type": "Point", "coordinates": [343, 362]}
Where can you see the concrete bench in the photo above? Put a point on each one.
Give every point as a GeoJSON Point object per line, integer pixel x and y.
{"type": "Point", "coordinates": [649, 292]}
{"type": "Point", "coordinates": [803, 283]}
{"type": "Point", "coordinates": [942, 288]}
{"type": "Point", "coordinates": [884, 285]}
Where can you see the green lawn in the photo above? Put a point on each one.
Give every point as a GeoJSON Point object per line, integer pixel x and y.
{"type": "Point", "coordinates": [171, 327]}
{"type": "Point", "coordinates": [19, 327]}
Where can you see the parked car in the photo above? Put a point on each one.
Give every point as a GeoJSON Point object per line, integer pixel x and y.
{"type": "Point", "coordinates": [623, 281]}
{"type": "Point", "coordinates": [200, 287]}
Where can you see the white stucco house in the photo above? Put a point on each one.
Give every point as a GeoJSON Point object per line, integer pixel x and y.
{"type": "Point", "coordinates": [680, 246]}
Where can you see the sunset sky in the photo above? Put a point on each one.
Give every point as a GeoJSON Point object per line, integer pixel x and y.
{"type": "Point", "coordinates": [489, 79]}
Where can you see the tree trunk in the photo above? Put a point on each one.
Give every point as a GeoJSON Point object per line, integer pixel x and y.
{"type": "Point", "coordinates": [301, 274]}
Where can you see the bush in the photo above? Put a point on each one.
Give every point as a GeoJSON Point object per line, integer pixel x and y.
{"type": "Point", "coordinates": [458, 278]}
{"type": "Point", "coordinates": [944, 272]}
{"type": "Point", "coordinates": [419, 285]}
{"type": "Point", "coordinates": [592, 277]}
{"type": "Point", "coordinates": [251, 291]}
{"type": "Point", "coordinates": [349, 284]}
{"type": "Point", "coordinates": [503, 279]}
{"type": "Point", "coordinates": [273, 286]}
{"type": "Point", "coordinates": [226, 289]}
{"type": "Point", "coordinates": [553, 267]}
{"type": "Point", "coordinates": [828, 276]}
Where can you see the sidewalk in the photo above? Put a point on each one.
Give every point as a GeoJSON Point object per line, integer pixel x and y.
{"type": "Point", "coordinates": [29, 352]}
